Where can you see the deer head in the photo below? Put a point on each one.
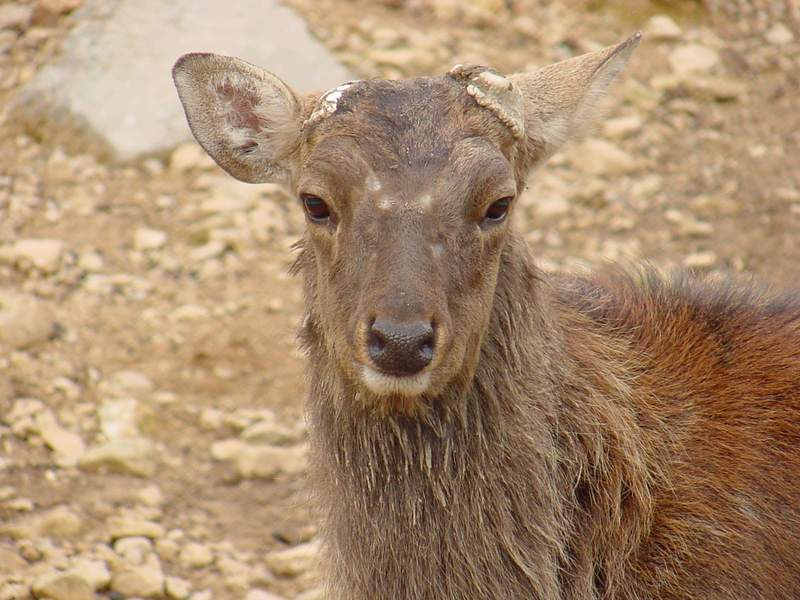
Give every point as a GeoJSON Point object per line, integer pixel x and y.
{"type": "Point", "coordinates": [407, 187]}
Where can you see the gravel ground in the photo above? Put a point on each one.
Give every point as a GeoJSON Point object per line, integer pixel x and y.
{"type": "Point", "coordinates": [152, 442]}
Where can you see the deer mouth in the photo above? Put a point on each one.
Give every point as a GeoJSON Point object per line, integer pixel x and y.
{"type": "Point", "coordinates": [382, 384]}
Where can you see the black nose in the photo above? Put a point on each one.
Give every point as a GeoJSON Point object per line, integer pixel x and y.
{"type": "Point", "coordinates": [400, 348]}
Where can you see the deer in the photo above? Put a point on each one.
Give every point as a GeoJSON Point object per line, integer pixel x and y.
{"type": "Point", "coordinates": [480, 428]}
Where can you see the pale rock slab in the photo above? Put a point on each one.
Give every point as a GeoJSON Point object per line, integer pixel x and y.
{"type": "Point", "coordinates": [111, 91]}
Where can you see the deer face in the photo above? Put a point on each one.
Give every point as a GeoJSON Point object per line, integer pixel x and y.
{"type": "Point", "coordinates": [407, 189]}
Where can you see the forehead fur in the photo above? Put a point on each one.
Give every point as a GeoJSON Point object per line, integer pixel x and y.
{"type": "Point", "coordinates": [410, 123]}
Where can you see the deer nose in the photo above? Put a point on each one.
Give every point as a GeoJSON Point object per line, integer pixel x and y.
{"type": "Point", "coordinates": [400, 349]}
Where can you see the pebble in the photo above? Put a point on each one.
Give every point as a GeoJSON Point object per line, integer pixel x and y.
{"type": "Point", "coordinates": [94, 571]}
{"type": "Point", "coordinates": [131, 526]}
{"type": "Point", "coordinates": [57, 7]}
{"type": "Point", "coordinates": [119, 418]}
{"type": "Point", "coordinates": [67, 446]}
{"type": "Point", "coordinates": [551, 206]}
{"type": "Point", "coordinates": [24, 320]}
{"type": "Point", "coordinates": [271, 433]}
{"type": "Point", "coordinates": [65, 585]}
{"type": "Point", "coordinates": [129, 456]}
{"type": "Point", "coordinates": [779, 35]}
{"type": "Point", "coordinates": [123, 384]}
{"type": "Point", "coordinates": [691, 59]}
{"type": "Point", "coordinates": [142, 581]}
{"type": "Point", "coordinates": [15, 16]}
{"type": "Point", "coordinates": [177, 588]}
{"type": "Point", "coordinates": [58, 522]}
{"type": "Point", "coordinates": [10, 561]}
{"type": "Point", "coordinates": [261, 461]}
{"type": "Point", "coordinates": [293, 561]}
{"type": "Point", "coordinates": [719, 88]}
{"type": "Point", "coordinates": [313, 594]}
{"type": "Point", "coordinates": [262, 595]}
{"type": "Point", "coordinates": [186, 157]}
{"type": "Point", "coordinates": [42, 254]}
{"type": "Point", "coordinates": [600, 157]}
{"type": "Point", "coordinates": [209, 250]}
{"type": "Point", "coordinates": [149, 239]}
{"type": "Point", "coordinates": [622, 127]}
{"type": "Point", "coordinates": [700, 260]}
{"type": "Point", "coordinates": [662, 28]}
{"type": "Point", "coordinates": [196, 556]}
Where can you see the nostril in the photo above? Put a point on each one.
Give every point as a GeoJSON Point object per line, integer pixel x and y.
{"type": "Point", "coordinates": [401, 348]}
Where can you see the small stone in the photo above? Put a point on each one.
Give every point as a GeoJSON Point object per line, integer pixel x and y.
{"type": "Point", "coordinates": [91, 261]}
{"type": "Point", "coordinates": [271, 433]}
{"type": "Point", "coordinates": [134, 550]}
{"type": "Point", "coordinates": [196, 556]}
{"type": "Point", "coordinates": [151, 496]}
{"type": "Point", "coordinates": [190, 312]}
{"type": "Point", "coordinates": [293, 561]}
{"type": "Point", "coordinates": [187, 157]}
{"type": "Point", "coordinates": [130, 456]}
{"type": "Point", "coordinates": [721, 89]}
{"type": "Point", "coordinates": [209, 250]}
{"type": "Point", "coordinates": [42, 254]}
{"type": "Point", "coordinates": [779, 35]}
{"type": "Point", "coordinates": [15, 16]}
{"type": "Point", "coordinates": [662, 27]}
{"type": "Point", "coordinates": [692, 59]}
{"type": "Point", "coordinates": [600, 157]}
{"type": "Point", "coordinates": [700, 260]}
{"type": "Point", "coordinates": [128, 526]}
{"type": "Point", "coordinates": [10, 561]}
{"type": "Point", "coordinates": [149, 239]}
{"type": "Point", "coordinates": [67, 446]}
{"type": "Point", "coordinates": [551, 206]}
{"type": "Point", "coordinates": [56, 8]}
{"type": "Point", "coordinates": [124, 384]}
{"type": "Point", "coordinates": [58, 522]}
{"type": "Point", "coordinates": [177, 588]}
{"type": "Point", "coordinates": [313, 594]}
{"type": "Point", "coordinates": [622, 127]}
{"type": "Point", "coordinates": [262, 595]}
{"type": "Point", "coordinates": [95, 572]}
{"type": "Point", "coordinates": [64, 585]}
{"type": "Point", "coordinates": [119, 418]}
{"type": "Point", "coordinates": [24, 320]}
{"type": "Point", "coordinates": [143, 581]}
{"type": "Point", "coordinates": [261, 461]}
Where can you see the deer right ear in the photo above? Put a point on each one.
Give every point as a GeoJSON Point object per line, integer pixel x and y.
{"type": "Point", "coordinates": [562, 99]}
{"type": "Point", "coordinates": [247, 119]}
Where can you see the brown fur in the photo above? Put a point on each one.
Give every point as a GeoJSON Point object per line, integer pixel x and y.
{"type": "Point", "coordinates": [617, 436]}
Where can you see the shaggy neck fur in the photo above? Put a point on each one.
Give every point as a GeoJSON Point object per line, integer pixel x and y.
{"type": "Point", "coordinates": [502, 486]}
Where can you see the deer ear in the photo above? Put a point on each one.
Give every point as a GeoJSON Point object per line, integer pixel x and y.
{"type": "Point", "coordinates": [247, 119]}
{"type": "Point", "coordinates": [561, 99]}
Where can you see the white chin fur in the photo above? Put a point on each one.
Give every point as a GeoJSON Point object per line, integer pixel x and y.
{"type": "Point", "coordinates": [389, 385]}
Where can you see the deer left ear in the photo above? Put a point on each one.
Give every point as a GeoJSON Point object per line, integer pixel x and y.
{"type": "Point", "coordinates": [247, 119]}
{"type": "Point", "coordinates": [561, 99]}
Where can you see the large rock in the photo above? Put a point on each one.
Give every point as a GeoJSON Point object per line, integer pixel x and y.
{"type": "Point", "coordinates": [111, 91]}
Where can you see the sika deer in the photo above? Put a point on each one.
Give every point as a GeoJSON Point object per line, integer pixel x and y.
{"type": "Point", "coordinates": [482, 430]}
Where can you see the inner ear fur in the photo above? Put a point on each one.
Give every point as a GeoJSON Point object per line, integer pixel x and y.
{"type": "Point", "coordinates": [247, 119]}
{"type": "Point", "coordinates": [560, 100]}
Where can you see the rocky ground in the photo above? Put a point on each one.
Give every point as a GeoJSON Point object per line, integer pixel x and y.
{"type": "Point", "coordinates": [152, 443]}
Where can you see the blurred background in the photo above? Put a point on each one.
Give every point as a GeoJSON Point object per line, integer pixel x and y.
{"type": "Point", "coordinates": [152, 442]}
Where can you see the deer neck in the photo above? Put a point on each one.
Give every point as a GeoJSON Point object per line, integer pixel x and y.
{"type": "Point", "coordinates": [479, 469]}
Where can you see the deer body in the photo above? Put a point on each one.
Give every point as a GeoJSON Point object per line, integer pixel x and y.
{"type": "Point", "coordinates": [481, 430]}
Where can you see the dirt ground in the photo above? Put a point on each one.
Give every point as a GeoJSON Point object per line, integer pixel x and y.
{"type": "Point", "coordinates": [158, 314]}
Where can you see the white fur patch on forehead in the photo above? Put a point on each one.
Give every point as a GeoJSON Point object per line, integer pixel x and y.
{"type": "Point", "coordinates": [495, 93]}
{"type": "Point", "coordinates": [328, 103]}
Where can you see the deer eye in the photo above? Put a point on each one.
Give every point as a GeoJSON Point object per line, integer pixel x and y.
{"type": "Point", "coordinates": [315, 208]}
{"type": "Point", "coordinates": [498, 210]}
